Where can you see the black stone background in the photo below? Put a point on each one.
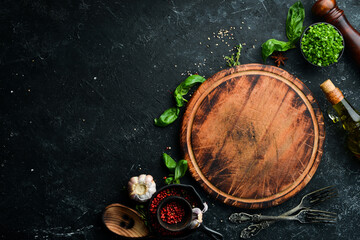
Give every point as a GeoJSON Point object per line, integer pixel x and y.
{"type": "Point", "coordinates": [82, 81]}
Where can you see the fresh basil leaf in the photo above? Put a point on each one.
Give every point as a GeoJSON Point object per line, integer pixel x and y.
{"type": "Point", "coordinates": [169, 180]}
{"type": "Point", "coordinates": [169, 162]}
{"type": "Point", "coordinates": [273, 45]}
{"type": "Point", "coordinates": [179, 100]}
{"type": "Point", "coordinates": [180, 169]}
{"type": "Point", "coordinates": [294, 22]}
{"type": "Point", "coordinates": [167, 117]}
{"type": "Point", "coordinates": [184, 88]}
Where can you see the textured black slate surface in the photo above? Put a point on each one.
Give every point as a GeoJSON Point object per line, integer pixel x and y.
{"type": "Point", "coordinates": [80, 84]}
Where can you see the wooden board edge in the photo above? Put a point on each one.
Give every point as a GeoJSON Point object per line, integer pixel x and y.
{"type": "Point", "coordinates": [317, 112]}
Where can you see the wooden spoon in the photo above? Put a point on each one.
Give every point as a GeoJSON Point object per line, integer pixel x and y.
{"type": "Point", "coordinates": [124, 221]}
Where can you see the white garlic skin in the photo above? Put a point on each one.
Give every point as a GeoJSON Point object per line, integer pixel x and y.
{"type": "Point", "coordinates": [194, 224]}
{"type": "Point", "coordinates": [141, 188]}
{"type": "Point", "coordinates": [197, 215]}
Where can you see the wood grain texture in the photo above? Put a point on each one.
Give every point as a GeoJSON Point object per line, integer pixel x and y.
{"type": "Point", "coordinates": [124, 221]}
{"type": "Point", "coordinates": [253, 136]}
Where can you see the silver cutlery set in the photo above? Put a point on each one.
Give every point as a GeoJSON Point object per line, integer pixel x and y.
{"type": "Point", "coordinates": [304, 213]}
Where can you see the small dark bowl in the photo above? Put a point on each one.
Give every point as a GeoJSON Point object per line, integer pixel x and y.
{"type": "Point", "coordinates": [186, 220]}
{"type": "Point", "coordinates": [304, 33]}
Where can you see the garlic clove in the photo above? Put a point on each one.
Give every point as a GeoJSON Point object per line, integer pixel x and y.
{"type": "Point", "coordinates": [134, 180]}
{"type": "Point", "coordinates": [152, 189]}
{"type": "Point", "coordinates": [143, 198]}
{"type": "Point", "coordinates": [194, 224]}
{"type": "Point", "coordinates": [196, 211]}
{"type": "Point", "coordinates": [197, 214]}
{"type": "Point", "coordinates": [200, 216]}
{"type": "Point", "coordinates": [142, 178]}
{"type": "Point", "coordinates": [149, 179]}
{"type": "Point", "coordinates": [148, 195]}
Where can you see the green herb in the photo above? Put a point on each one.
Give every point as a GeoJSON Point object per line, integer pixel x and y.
{"type": "Point", "coordinates": [180, 169]}
{"type": "Point", "coordinates": [322, 44]}
{"type": "Point", "coordinates": [169, 162]}
{"type": "Point", "coordinates": [272, 45]}
{"type": "Point", "coordinates": [233, 60]}
{"type": "Point", "coordinates": [167, 117]}
{"type": "Point", "coordinates": [171, 114]}
{"type": "Point", "coordinates": [177, 169]}
{"type": "Point", "coordinates": [140, 208]}
{"type": "Point", "coordinates": [184, 88]}
{"type": "Point", "coordinates": [294, 29]}
{"type": "Point", "coordinates": [294, 22]}
{"type": "Point", "coordinates": [169, 180]}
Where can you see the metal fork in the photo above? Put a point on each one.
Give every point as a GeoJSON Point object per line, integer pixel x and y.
{"type": "Point", "coordinates": [308, 201]}
{"type": "Point", "coordinates": [304, 216]}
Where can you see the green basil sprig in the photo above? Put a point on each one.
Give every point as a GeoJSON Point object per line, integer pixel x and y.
{"type": "Point", "coordinates": [184, 88]}
{"type": "Point", "coordinates": [294, 28]}
{"type": "Point", "coordinates": [171, 114]}
{"type": "Point", "coordinates": [177, 169]}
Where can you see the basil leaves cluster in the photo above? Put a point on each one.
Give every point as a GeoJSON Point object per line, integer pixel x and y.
{"type": "Point", "coordinates": [294, 29]}
{"type": "Point", "coordinates": [177, 169]}
{"type": "Point", "coordinates": [171, 114]}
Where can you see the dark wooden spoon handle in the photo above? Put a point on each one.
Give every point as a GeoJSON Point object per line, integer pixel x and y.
{"type": "Point", "coordinates": [329, 11]}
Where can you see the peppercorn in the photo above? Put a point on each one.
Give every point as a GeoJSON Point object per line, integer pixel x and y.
{"type": "Point", "coordinates": [172, 213]}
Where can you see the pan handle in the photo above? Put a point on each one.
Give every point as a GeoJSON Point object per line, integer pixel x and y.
{"type": "Point", "coordinates": [211, 233]}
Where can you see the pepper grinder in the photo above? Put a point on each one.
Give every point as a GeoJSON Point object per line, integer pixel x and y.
{"type": "Point", "coordinates": [329, 11]}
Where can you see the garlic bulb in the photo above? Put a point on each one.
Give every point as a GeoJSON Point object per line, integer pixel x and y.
{"type": "Point", "coordinates": [141, 188]}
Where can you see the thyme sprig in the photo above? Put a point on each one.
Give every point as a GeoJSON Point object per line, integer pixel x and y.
{"type": "Point", "coordinates": [233, 60]}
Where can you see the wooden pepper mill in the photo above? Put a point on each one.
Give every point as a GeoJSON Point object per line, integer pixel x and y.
{"type": "Point", "coordinates": [329, 11]}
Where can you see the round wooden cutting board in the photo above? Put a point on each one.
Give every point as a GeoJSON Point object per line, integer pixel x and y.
{"type": "Point", "coordinates": [253, 136]}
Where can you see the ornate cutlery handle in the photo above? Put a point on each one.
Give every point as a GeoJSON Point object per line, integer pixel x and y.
{"type": "Point", "coordinates": [244, 217]}
{"type": "Point", "coordinates": [254, 229]}
{"type": "Point", "coordinates": [255, 218]}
